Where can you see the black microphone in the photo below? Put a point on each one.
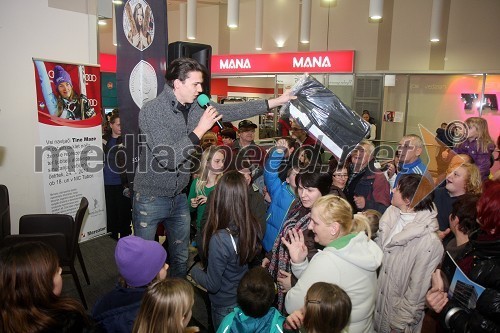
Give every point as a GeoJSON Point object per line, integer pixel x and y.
{"type": "Point", "coordinates": [204, 102]}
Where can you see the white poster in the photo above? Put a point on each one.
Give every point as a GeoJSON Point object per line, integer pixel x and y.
{"type": "Point", "coordinates": [70, 154]}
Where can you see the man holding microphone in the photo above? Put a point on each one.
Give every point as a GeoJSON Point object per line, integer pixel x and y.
{"type": "Point", "coordinates": [173, 124]}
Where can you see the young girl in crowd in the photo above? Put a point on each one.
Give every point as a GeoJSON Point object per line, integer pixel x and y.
{"type": "Point", "coordinates": [463, 179]}
{"type": "Point", "coordinates": [140, 263]}
{"type": "Point", "coordinates": [30, 289]}
{"type": "Point", "coordinates": [327, 309]}
{"type": "Point", "coordinates": [166, 308]}
{"type": "Point", "coordinates": [349, 259]}
{"type": "Point", "coordinates": [210, 171]}
{"type": "Point", "coordinates": [311, 185]}
{"type": "Point", "coordinates": [478, 145]}
{"type": "Point", "coordinates": [412, 250]}
{"type": "Point", "coordinates": [231, 239]}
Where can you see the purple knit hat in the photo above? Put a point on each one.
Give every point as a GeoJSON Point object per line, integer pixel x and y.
{"type": "Point", "coordinates": [139, 260]}
{"type": "Point", "coordinates": [60, 76]}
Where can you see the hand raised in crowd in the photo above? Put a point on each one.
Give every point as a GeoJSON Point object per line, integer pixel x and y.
{"type": "Point", "coordinates": [265, 263]}
{"type": "Point", "coordinates": [436, 297]}
{"type": "Point", "coordinates": [284, 280]}
{"type": "Point", "coordinates": [391, 169]}
{"type": "Point", "coordinates": [207, 121]}
{"type": "Point", "coordinates": [360, 201]}
{"type": "Point", "coordinates": [296, 247]}
{"type": "Point", "coordinates": [281, 145]}
{"type": "Point", "coordinates": [295, 320]}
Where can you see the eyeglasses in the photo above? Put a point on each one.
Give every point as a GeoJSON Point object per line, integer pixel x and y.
{"type": "Point", "coordinates": [293, 129]}
{"type": "Point", "coordinates": [342, 175]}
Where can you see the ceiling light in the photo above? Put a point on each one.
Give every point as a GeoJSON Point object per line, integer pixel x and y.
{"type": "Point", "coordinates": [101, 22]}
{"type": "Point", "coordinates": [259, 13]}
{"type": "Point", "coordinates": [305, 21]}
{"type": "Point", "coordinates": [117, 2]}
{"type": "Point", "coordinates": [436, 19]}
{"type": "Point", "coordinates": [233, 13]}
{"type": "Point", "coordinates": [191, 19]}
{"type": "Point", "coordinates": [376, 9]}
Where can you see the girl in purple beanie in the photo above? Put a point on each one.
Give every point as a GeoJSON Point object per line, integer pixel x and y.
{"type": "Point", "coordinates": [140, 263]}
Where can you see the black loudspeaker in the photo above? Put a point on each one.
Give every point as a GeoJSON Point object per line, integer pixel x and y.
{"type": "Point", "coordinates": [199, 52]}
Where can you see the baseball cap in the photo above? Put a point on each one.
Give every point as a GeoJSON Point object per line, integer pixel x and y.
{"type": "Point", "coordinates": [246, 124]}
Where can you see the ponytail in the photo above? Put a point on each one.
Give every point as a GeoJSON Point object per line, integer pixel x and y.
{"type": "Point", "coordinates": [361, 223]}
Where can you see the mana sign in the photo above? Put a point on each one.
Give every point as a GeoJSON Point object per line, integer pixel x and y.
{"type": "Point", "coordinates": [311, 62]}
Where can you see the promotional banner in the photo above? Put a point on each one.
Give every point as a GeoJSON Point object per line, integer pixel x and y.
{"type": "Point", "coordinates": [141, 31]}
{"type": "Point", "coordinates": [70, 154]}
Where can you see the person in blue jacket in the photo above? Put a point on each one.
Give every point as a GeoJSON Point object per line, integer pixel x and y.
{"type": "Point", "coordinates": [282, 193]}
{"type": "Point", "coordinates": [254, 312]}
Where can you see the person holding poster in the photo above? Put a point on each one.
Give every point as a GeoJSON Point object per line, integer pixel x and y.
{"type": "Point", "coordinates": [173, 125]}
{"type": "Point", "coordinates": [70, 105]}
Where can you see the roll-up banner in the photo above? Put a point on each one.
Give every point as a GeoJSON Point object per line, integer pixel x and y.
{"type": "Point", "coordinates": [70, 152]}
{"type": "Point", "coordinates": [141, 31]}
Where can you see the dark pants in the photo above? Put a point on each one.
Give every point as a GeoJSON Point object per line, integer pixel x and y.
{"type": "Point", "coordinates": [118, 211]}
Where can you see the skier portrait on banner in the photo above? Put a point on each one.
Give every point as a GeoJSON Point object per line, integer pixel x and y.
{"type": "Point", "coordinates": [70, 104]}
{"type": "Point", "coordinates": [138, 24]}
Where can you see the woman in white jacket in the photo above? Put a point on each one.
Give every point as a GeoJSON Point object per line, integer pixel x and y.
{"type": "Point", "coordinates": [412, 250]}
{"type": "Point", "coordinates": [350, 259]}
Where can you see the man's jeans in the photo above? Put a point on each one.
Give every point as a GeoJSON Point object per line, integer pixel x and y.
{"type": "Point", "coordinates": [173, 212]}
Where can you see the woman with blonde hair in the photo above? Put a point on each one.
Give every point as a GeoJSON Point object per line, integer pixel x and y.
{"type": "Point", "coordinates": [350, 259]}
{"type": "Point", "coordinates": [465, 178]}
{"type": "Point", "coordinates": [209, 173]}
{"type": "Point", "coordinates": [166, 308]}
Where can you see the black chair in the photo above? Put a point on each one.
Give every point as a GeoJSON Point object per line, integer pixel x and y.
{"type": "Point", "coordinates": [80, 214]}
{"type": "Point", "coordinates": [60, 224]}
{"type": "Point", "coordinates": [4, 212]}
{"type": "Point", "coordinates": [55, 240]}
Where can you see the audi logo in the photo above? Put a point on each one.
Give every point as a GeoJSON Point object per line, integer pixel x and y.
{"type": "Point", "coordinates": [90, 78]}
{"type": "Point", "coordinates": [92, 102]}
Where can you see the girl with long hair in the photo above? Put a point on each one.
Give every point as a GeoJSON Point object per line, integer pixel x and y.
{"type": "Point", "coordinates": [166, 308]}
{"type": "Point", "coordinates": [210, 171]}
{"type": "Point", "coordinates": [30, 290]}
{"type": "Point", "coordinates": [478, 145]}
{"type": "Point", "coordinates": [231, 239]}
{"type": "Point", "coordinates": [327, 309]}
{"type": "Point", "coordinates": [350, 259]}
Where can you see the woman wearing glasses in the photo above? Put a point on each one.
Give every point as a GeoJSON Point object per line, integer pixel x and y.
{"type": "Point", "coordinates": [340, 174]}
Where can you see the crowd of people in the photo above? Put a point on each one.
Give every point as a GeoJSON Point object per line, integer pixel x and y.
{"type": "Point", "coordinates": [286, 242]}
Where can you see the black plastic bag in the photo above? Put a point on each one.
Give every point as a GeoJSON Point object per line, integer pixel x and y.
{"type": "Point", "coordinates": [319, 111]}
